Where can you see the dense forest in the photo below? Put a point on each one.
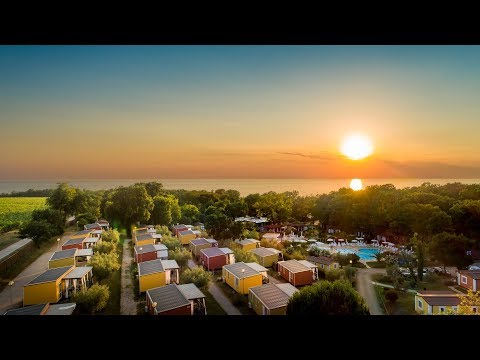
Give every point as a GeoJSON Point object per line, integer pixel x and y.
{"type": "Point", "coordinates": [445, 218]}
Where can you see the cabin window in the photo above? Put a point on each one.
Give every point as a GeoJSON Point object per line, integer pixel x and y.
{"type": "Point", "coordinates": [334, 266]}
{"type": "Point", "coordinates": [474, 309]}
{"type": "Point", "coordinates": [464, 279]}
{"type": "Point", "coordinates": [420, 304]}
{"type": "Point", "coordinates": [442, 309]}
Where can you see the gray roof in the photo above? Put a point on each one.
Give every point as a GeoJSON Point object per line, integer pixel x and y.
{"type": "Point", "coordinates": [247, 241]}
{"type": "Point", "coordinates": [142, 249]}
{"type": "Point", "coordinates": [199, 241]}
{"type": "Point", "coordinates": [440, 297]}
{"type": "Point", "coordinates": [83, 232]}
{"type": "Point", "coordinates": [325, 260]}
{"type": "Point", "coordinates": [145, 237]}
{"type": "Point", "coordinates": [28, 310]}
{"type": "Point", "coordinates": [168, 297]}
{"type": "Point", "coordinates": [141, 231]}
{"type": "Point", "coordinates": [308, 264]}
{"type": "Point", "coordinates": [191, 291]}
{"type": "Point", "coordinates": [160, 247]}
{"type": "Point", "coordinates": [474, 274]}
{"type": "Point", "coordinates": [262, 252]}
{"type": "Point", "coordinates": [63, 254]}
{"type": "Point", "coordinates": [91, 239]}
{"type": "Point", "coordinates": [78, 272]}
{"type": "Point", "coordinates": [186, 232]}
{"type": "Point", "coordinates": [236, 270]}
{"type": "Point", "coordinates": [162, 254]}
{"type": "Point", "coordinates": [50, 275]}
{"type": "Point", "coordinates": [92, 226]}
{"type": "Point", "coordinates": [74, 241]}
{"type": "Point", "coordinates": [212, 251]}
{"type": "Point", "coordinates": [270, 295]}
{"type": "Point", "coordinates": [84, 252]}
{"type": "Point", "coordinates": [287, 288]}
{"type": "Point", "coordinates": [212, 241]}
{"type": "Point", "coordinates": [170, 264]}
{"type": "Point", "coordinates": [257, 267]}
{"type": "Point", "coordinates": [226, 250]}
{"type": "Point", "coordinates": [293, 266]}
{"type": "Point", "coordinates": [179, 226]}
{"type": "Point", "coordinates": [150, 267]}
{"type": "Point", "coordinates": [61, 309]}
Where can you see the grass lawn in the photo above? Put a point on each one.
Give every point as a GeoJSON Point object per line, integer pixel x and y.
{"type": "Point", "coordinates": [114, 283]}
{"type": "Point", "coordinates": [377, 264]}
{"type": "Point", "coordinates": [405, 305]}
{"type": "Point", "coordinates": [238, 300]}
{"type": "Point", "coordinates": [8, 239]}
{"type": "Point", "coordinates": [213, 308]}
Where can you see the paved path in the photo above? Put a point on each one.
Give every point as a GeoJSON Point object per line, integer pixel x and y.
{"type": "Point", "coordinates": [366, 289]}
{"type": "Point", "coordinates": [33, 270]}
{"type": "Point", "coordinates": [9, 250]}
{"type": "Point", "coordinates": [128, 305]}
{"type": "Point", "coordinates": [218, 295]}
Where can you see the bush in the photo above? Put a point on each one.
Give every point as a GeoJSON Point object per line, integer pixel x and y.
{"type": "Point", "coordinates": [93, 299]}
{"type": "Point", "coordinates": [349, 272]}
{"type": "Point", "coordinates": [244, 255]}
{"type": "Point", "coordinates": [251, 234]}
{"type": "Point", "coordinates": [197, 276]}
{"type": "Point", "coordinates": [38, 231]}
{"type": "Point", "coordinates": [181, 256]}
{"type": "Point", "coordinates": [171, 242]}
{"type": "Point", "coordinates": [334, 274]}
{"type": "Point", "coordinates": [391, 295]}
{"type": "Point", "coordinates": [111, 236]}
{"type": "Point", "coordinates": [105, 248]}
{"type": "Point", "coordinates": [344, 259]}
{"type": "Point", "coordinates": [163, 230]}
{"type": "Point", "coordinates": [104, 264]}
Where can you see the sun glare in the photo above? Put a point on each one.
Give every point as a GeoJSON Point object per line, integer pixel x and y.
{"type": "Point", "coordinates": [356, 184]}
{"type": "Point", "coordinates": [356, 147]}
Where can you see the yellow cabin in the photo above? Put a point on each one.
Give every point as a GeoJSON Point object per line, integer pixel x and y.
{"type": "Point", "coordinates": [47, 287]}
{"type": "Point", "coordinates": [62, 258]}
{"type": "Point", "coordinates": [186, 236]}
{"type": "Point", "coordinates": [430, 302]}
{"type": "Point", "coordinates": [157, 273]}
{"type": "Point", "coordinates": [248, 244]}
{"type": "Point", "coordinates": [270, 299]}
{"type": "Point", "coordinates": [145, 239]}
{"type": "Point", "coordinates": [267, 256]}
{"type": "Point", "coordinates": [324, 262]}
{"type": "Point", "coordinates": [241, 277]}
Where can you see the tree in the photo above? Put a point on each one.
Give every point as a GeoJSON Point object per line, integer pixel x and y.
{"type": "Point", "coordinates": [104, 247]}
{"type": "Point", "coordinates": [236, 209]}
{"type": "Point", "coordinates": [242, 255]}
{"type": "Point", "coordinates": [163, 230]}
{"type": "Point", "coordinates": [181, 256]}
{"type": "Point", "coordinates": [190, 214]}
{"type": "Point", "coordinates": [251, 234]}
{"type": "Point", "coordinates": [197, 276]}
{"type": "Point", "coordinates": [379, 256]}
{"type": "Point", "coordinates": [391, 295]}
{"type": "Point", "coordinates": [344, 259]}
{"type": "Point", "coordinates": [450, 249]}
{"type": "Point", "coordinates": [111, 235]}
{"type": "Point", "coordinates": [165, 210]}
{"type": "Point", "coordinates": [53, 217]}
{"type": "Point", "coordinates": [38, 231]}
{"type": "Point", "coordinates": [327, 298]}
{"type": "Point", "coordinates": [93, 299]}
{"type": "Point", "coordinates": [153, 188]}
{"type": "Point", "coordinates": [104, 264]}
{"type": "Point", "coordinates": [63, 199]}
{"type": "Point", "coordinates": [129, 205]}
{"type": "Point", "coordinates": [171, 242]}
{"type": "Point", "coordinates": [467, 303]}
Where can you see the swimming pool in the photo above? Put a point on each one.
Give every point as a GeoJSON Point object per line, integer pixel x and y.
{"type": "Point", "coordinates": [363, 253]}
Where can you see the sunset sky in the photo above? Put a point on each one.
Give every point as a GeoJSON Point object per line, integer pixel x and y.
{"type": "Point", "coordinates": [104, 112]}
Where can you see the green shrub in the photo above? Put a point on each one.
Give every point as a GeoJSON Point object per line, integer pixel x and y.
{"type": "Point", "coordinates": [171, 242]}
{"type": "Point", "coordinates": [197, 276]}
{"type": "Point", "coordinates": [104, 248]}
{"type": "Point", "coordinates": [391, 295]}
{"type": "Point", "coordinates": [93, 299]}
{"type": "Point", "coordinates": [104, 264]}
{"type": "Point", "coordinates": [242, 255]}
{"type": "Point", "coordinates": [334, 274]}
{"type": "Point", "coordinates": [181, 256]}
{"type": "Point", "coordinates": [111, 236]}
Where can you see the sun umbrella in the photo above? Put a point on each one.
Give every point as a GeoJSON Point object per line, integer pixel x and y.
{"type": "Point", "coordinates": [340, 240]}
{"type": "Point", "coordinates": [312, 240]}
{"type": "Point", "coordinates": [354, 241]}
{"type": "Point", "coordinates": [329, 240]}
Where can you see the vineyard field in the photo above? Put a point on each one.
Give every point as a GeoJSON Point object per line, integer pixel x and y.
{"type": "Point", "coordinates": [16, 210]}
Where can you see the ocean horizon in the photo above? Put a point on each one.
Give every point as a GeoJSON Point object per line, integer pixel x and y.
{"type": "Point", "coordinates": [244, 186]}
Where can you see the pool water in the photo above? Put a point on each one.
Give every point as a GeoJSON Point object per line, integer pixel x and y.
{"type": "Point", "coordinates": [363, 253]}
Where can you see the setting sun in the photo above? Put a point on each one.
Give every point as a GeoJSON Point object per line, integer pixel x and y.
{"type": "Point", "coordinates": [356, 184]}
{"type": "Point", "coordinates": [356, 147]}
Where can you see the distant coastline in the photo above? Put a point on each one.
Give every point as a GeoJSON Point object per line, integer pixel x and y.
{"type": "Point", "coordinates": [244, 186]}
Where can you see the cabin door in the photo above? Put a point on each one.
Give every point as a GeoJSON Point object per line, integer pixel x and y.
{"type": "Point", "coordinates": [167, 277]}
